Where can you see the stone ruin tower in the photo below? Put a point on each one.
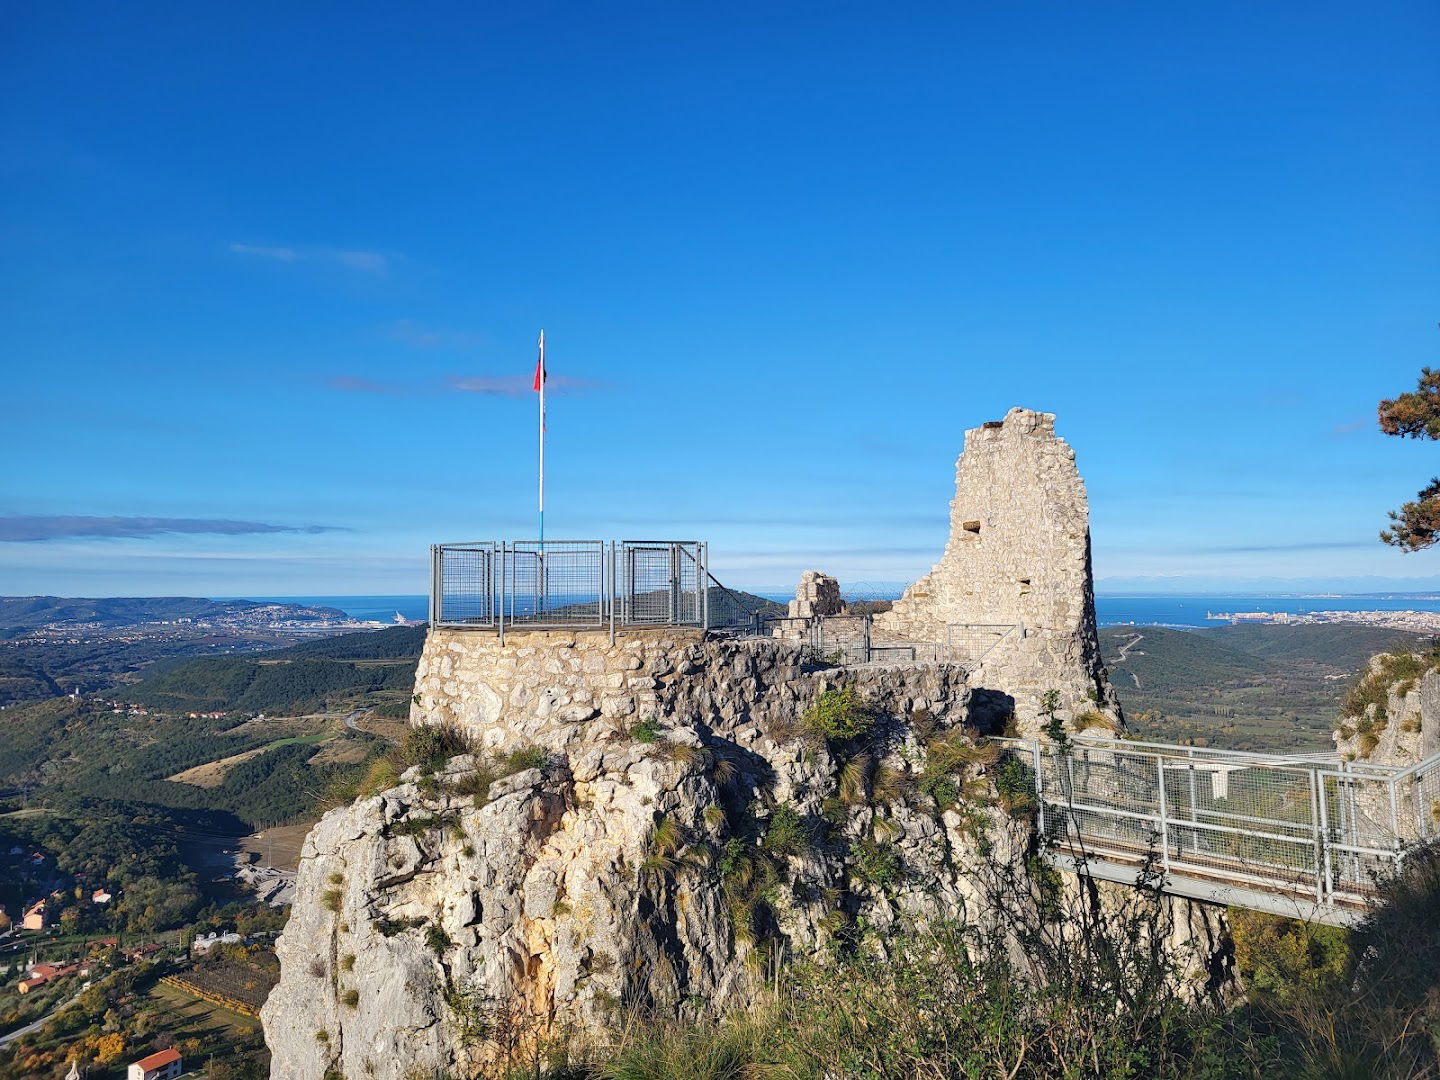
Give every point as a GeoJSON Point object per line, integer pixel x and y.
{"type": "Point", "coordinates": [1015, 578]}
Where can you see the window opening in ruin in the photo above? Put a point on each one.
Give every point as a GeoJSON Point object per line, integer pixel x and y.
{"type": "Point", "coordinates": [972, 527]}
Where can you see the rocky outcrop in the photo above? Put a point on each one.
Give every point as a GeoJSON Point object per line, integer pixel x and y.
{"type": "Point", "coordinates": [646, 823]}
{"type": "Point", "coordinates": [613, 872]}
{"type": "Point", "coordinates": [1392, 715]}
{"type": "Point", "coordinates": [1013, 593]}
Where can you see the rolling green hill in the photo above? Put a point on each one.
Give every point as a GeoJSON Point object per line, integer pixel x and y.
{"type": "Point", "coordinates": [303, 678]}
{"type": "Point", "coordinates": [1176, 659]}
{"type": "Point", "coordinates": [1254, 686]}
{"type": "Point", "coordinates": [1344, 646]}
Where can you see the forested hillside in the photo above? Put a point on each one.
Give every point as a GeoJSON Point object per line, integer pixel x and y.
{"type": "Point", "coordinates": [1249, 687]}
{"type": "Point", "coordinates": [298, 679]}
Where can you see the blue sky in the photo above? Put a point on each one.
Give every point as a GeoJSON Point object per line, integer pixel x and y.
{"type": "Point", "coordinates": [270, 280]}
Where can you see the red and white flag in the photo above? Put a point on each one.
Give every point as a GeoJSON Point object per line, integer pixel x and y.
{"type": "Point", "coordinates": [540, 366]}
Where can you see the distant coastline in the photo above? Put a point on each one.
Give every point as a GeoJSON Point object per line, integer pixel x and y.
{"type": "Point", "coordinates": [1187, 610]}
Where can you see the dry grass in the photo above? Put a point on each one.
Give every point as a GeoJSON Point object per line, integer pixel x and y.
{"type": "Point", "coordinates": [1094, 719]}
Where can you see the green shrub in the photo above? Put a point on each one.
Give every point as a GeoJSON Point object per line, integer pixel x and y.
{"type": "Point", "coordinates": [1015, 786]}
{"type": "Point", "coordinates": [388, 927]}
{"type": "Point", "coordinates": [785, 833]}
{"type": "Point", "coordinates": [331, 898]}
{"type": "Point", "coordinates": [350, 998]}
{"type": "Point", "coordinates": [665, 843]}
{"type": "Point", "coordinates": [646, 731]}
{"type": "Point", "coordinates": [530, 757]}
{"type": "Point", "coordinates": [839, 715]}
{"type": "Point", "coordinates": [430, 746]}
{"type": "Point", "coordinates": [877, 863]}
{"type": "Point", "coordinates": [1092, 719]}
{"type": "Point", "coordinates": [422, 825]}
{"type": "Point", "coordinates": [438, 941]}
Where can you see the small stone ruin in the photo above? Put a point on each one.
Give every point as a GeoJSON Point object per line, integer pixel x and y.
{"type": "Point", "coordinates": [817, 594]}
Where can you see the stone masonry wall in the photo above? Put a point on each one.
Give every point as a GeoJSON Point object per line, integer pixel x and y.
{"type": "Point", "coordinates": [1018, 554]}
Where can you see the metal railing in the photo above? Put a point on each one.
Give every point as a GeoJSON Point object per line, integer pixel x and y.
{"type": "Point", "coordinates": [579, 584]}
{"type": "Point", "coordinates": [1308, 826]}
{"type": "Point", "coordinates": [970, 643]}
{"type": "Point", "coordinates": [850, 639]}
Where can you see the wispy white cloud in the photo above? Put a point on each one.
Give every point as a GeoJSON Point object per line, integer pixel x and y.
{"type": "Point", "coordinates": [357, 384]}
{"type": "Point", "coordinates": [507, 386]}
{"type": "Point", "coordinates": [1352, 427]}
{"type": "Point", "coordinates": [29, 528]}
{"type": "Point", "coordinates": [365, 262]}
{"type": "Point", "coordinates": [519, 385]}
{"type": "Point", "coordinates": [409, 332]}
{"type": "Point", "coordinates": [283, 254]}
{"type": "Point", "coordinates": [371, 262]}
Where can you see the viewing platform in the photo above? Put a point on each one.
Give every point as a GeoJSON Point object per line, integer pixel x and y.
{"type": "Point", "coordinates": [610, 585]}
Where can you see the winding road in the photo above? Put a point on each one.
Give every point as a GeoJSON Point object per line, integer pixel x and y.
{"type": "Point", "coordinates": [36, 1025]}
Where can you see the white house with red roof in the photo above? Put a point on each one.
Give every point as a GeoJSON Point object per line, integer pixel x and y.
{"type": "Point", "coordinates": [162, 1065]}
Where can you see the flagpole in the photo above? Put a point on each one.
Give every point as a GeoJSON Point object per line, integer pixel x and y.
{"type": "Point", "coordinates": [542, 440]}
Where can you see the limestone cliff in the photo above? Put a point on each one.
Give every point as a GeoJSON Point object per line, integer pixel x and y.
{"type": "Point", "coordinates": [601, 876]}
{"type": "Point", "coordinates": [649, 821]}
{"type": "Point", "coordinates": [1392, 715]}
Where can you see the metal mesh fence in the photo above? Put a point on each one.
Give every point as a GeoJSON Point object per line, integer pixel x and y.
{"type": "Point", "coordinates": [969, 643]}
{"type": "Point", "coordinates": [660, 583]}
{"type": "Point", "coordinates": [463, 592]}
{"type": "Point", "coordinates": [559, 583]}
{"type": "Point", "coordinates": [569, 583]}
{"type": "Point", "coordinates": [1317, 828]}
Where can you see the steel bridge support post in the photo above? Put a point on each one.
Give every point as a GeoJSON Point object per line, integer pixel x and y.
{"type": "Point", "coordinates": [1417, 797]}
{"type": "Point", "coordinates": [1194, 815]}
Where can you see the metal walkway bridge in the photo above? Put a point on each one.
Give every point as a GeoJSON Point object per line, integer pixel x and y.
{"type": "Point", "coordinates": [1301, 835]}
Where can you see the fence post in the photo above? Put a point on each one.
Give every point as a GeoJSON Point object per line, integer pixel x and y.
{"type": "Point", "coordinates": [504, 546]}
{"type": "Point", "coordinates": [1394, 820]}
{"type": "Point", "coordinates": [435, 584]}
{"type": "Point", "coordinates": [1164, 827]}
{"type": "Point", "coordinates": [1418, 799]}
{"type": "Point", "coordinates": [702, 582]}
{"type": "Point", "coordinates": [1325, 836]}
{"type": "Point", "coordinates": [1194, 815]}
{"type": "Point", "coordinates": [1316, 793]}
{"type": "Point", "coordinates": [614, 592]}
{"type": "Point", "coordinates": [1039, 789]}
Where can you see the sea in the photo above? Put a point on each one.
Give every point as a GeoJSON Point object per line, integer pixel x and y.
{"type": "Point", "coordinates": [1116, 610]}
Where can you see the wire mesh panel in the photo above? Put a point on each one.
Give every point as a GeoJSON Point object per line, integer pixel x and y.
{"type": "Point", "coordinates": [1362, 837]}
{"type": "Point", "coordinates": [464, 590]}
{"type": "Point", "coordinates": [661, 583]}
{"type": "Point", "coordinates": [970, 643]}
{"type": "Point", "coordinates": [557, 583]}
{"type": "Point", "coordinates": [1423, 801]}
{"type": "Point", "coordinates": [1219, 817]}
{"type": "Point", "coordinates": [1301, 825]}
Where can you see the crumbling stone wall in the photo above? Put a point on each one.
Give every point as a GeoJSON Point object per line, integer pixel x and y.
{"type": "Point", "coordinates": [817, 594]}
{"type": "Point", "coordinates": [1018, 555]}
